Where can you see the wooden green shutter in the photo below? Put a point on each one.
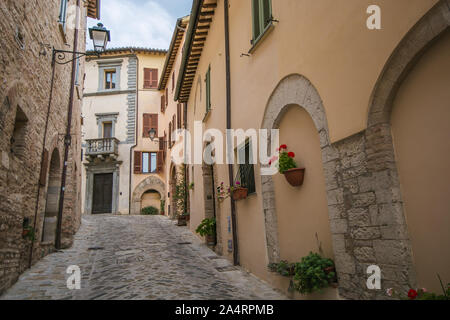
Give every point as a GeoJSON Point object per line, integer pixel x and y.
{"type": "Point", "coordinates": [208, 90]}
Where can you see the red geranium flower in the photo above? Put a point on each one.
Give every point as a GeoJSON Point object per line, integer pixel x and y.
{"type": "Point", "coordinates": [412, 294]}
{"type": "Point", "coordinates": [291, 154]}
{"type": "Point", "coordinates": [283, 146]}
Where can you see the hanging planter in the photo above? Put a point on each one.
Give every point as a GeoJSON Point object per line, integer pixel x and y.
{"type": "Point", "coordinates": [288, 166]}
{"type": "Point", "coordinates": [295, 176]}
{"type": "Point", "coordinates": [239, 193]}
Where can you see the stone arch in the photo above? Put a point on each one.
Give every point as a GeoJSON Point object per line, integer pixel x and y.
{"type": "Point", "coordinates": [294, 89]}
{"type": "Point", "coordinates": [382, 176]}
{"type": "Point", "coordinates": [424, 33]}
{"type": "Point", "coordinates": [52, 198]}
{"type": "Point", "coordinates": [150, 183]}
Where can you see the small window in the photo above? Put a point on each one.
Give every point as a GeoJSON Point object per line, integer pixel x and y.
{"type": "Point", "coordinates": [63, 14]}
{"type": "Point", "coordinates": [173, 80]}
{"type": "Point", "coordinates": [149, 162]}
{"type": "Point", "coordinates": [246, 172]}
{"type": "Point", "coordinates": [150, 78]}
{"type": "Point", "coordinates": [208, 90]}
{"type": "Point", "coordinates": [262, 17]}
{"type": "Point", "coordinates": [77, 73]}
{"type": "Point", "coordinates": [110, 79]}
{"type": "Point", "coordinates": [18, 139]}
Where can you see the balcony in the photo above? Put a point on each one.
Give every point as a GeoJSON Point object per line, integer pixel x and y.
{"type": "Point", "coordinates": [102, 148]}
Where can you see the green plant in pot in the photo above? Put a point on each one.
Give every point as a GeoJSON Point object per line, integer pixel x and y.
{"type": "Point", "coordinates": [28, 233]}
{"type": "Point", "coordinates": [288, 167]}
{"type": "Point", "coordinates": [207, 228]}
{"type": "Point", "coordinates": [314, 273]}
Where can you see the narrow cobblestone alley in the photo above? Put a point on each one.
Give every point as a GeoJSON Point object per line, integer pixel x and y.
{"type": "Point", "coordinates": [138, 257]}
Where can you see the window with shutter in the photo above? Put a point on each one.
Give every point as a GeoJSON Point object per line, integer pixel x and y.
{"type": "Point", "coordinates": [208, 89]}
{"type": "Point", "coordinates": [137, 162]}
{"type": "Point", "coordinates": [163, 104]}
{"type": "Point", "coordinates": [154, 122]}
{"type": "Point", "coordinates": [173, 80]}
{"type": "Point", "coordinates": [167, 97]}
{"type": "Point", "coordinates": [150, 78]}
{"type": "Point", "coordinates": [146, 126]}
{"type": "Point", "coordinates": [170, 135]}
{"type": "Point", "coordinates": [159, 161]}
{"type": "Point", "coordinates": [179, 116]}
{"type": "Point", "coordinates": [262, 16]}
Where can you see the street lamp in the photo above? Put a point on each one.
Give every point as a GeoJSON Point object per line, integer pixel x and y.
{"type": "Point", "coordinates": [100, 36]}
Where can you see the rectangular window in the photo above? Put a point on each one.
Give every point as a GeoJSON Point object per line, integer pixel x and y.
{"type": "Point", "coordinates": [246, 172]}
{"type": "Point", "coordinates": [149, 160]}
{"type": "Point", "coordinates": [110, 79]}
{"type": "Point", "coordinates": [150, 78]}
{"type": "Point", "coordinates": [173, 80]}
{"type": "Point", "coordinates": [107, 130]}
{"type": "Point", "coordinates": [150, 121]}
{"type": "Point", "coordinates": [77, 73]}
{"type": "Point", "coordinates": [262, 17]}
{"type": "Point", "coordinates": [63, 14]}
{"type": "Point", "coordinates": [208, 89]}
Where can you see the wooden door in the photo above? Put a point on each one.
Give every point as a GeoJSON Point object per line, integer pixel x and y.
{"type": "Point", "coordinates": [102, 197]}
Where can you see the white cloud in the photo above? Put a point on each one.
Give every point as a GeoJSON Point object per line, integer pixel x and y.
{"type": "Point", "coordinates": [141, 23]}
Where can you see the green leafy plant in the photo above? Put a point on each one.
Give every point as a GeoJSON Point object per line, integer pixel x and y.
{"type": "Point", "coordinates": [313, 273]}
{"type": "Point", "coordinates": [180, 195]}
{"type": "Point", "coordinates": [150, 211]}
{"type": "Point", "coordinates": [286, 160]}
{"type": "Point", "coordinates": [191, 186]}
{"type": "Point", "coordinates": [29, 233]}
{"type": "Point", "coordinates": [283, 267]}
{"type": "Point", "coordinates": [162, 206]}
{"type": "Point", "coordinates": [207, 227]}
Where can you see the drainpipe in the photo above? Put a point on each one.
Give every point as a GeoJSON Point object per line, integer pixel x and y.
{"type": "Point", "coordinates": [67, 138]}
{"type": "Point", "coordinates": [137, 130]}
{"type": "Point", "coordinates": [228, 99]}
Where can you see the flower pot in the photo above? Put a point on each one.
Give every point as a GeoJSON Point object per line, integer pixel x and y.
{"type": "Point", "coordinates": [240, 194]}
{"type": "Point", "coordinates": [295, 176]}
{"type": "Point", "coordinates": [211, 240]}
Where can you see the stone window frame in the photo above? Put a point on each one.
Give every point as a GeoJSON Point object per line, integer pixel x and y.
{"type": "Point", "coordinates": [108, 118]}
{"type": "Point", "coordinates": [103, 67]}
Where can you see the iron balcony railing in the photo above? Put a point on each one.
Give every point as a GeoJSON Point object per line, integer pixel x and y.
{"type": "Point", "coordinates": [104, 146]}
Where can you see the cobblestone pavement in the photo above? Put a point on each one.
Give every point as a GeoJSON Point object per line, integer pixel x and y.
{"type": "Point", "coordinates": [138, 257]}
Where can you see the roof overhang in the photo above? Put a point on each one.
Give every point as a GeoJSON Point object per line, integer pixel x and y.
{"type": "Point", "coordinates": [202, 14]}
{"type": "Point", "coordinates": [93, 9]}
{"type": "Point", "coordinates": [177, 38]}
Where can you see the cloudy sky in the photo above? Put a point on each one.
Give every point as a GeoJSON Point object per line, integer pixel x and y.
{"type": "Point", "coordinates": [140, 23]}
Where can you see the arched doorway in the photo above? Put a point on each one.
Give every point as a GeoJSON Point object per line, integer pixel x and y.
{"type": "Point", "coordinates": [420, 123]}
{"type": "Point", "coordinates": [53, 192]}
{"type": "Point", "coordinates": [151, 183]}
{"type": "Point", "coordinates": [151, 198]}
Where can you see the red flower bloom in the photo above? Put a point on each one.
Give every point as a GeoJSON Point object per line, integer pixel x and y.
{"type": "Point", "coordinates": [283, 146]}
{"type": "Point", "coordinates": [412, 294]}
{"type": "Point", "coordinates": [291, 154]}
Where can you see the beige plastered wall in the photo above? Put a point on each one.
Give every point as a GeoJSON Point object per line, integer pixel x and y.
{"type": "Point", "coordinates": [326, 41]}
{"type": "Point", "coordinates": [149, 101]}
{"type": "Point", "coordinates": [420, 129]}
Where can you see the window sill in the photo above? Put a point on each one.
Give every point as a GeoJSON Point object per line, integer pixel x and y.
{"type": "Point", "coordinates": [261, 37]}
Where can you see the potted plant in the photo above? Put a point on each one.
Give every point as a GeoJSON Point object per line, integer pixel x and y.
{"type": "Point", "coordinates": [314, 273]}
{"type": "Point", "coordinates": [288, 167]}
{"type": "Point", "coordinates": [28, 233]}
{"type": "Point", "coordinates": [207, 228]}
{"type": "Point", "coordinates": [239, 192]}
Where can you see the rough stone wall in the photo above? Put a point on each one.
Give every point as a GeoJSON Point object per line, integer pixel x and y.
{"type": "Point", "coordinates": [25, 78]}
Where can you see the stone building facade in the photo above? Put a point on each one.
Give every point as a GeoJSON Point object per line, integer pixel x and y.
{"type": "Point", "coordinates": [33, 127]}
